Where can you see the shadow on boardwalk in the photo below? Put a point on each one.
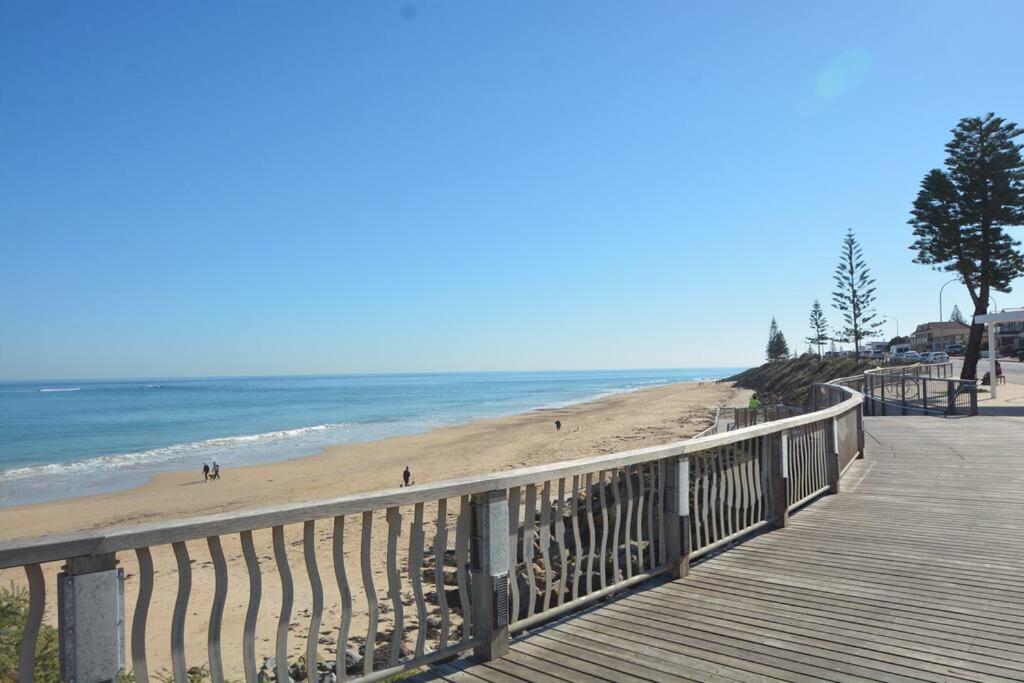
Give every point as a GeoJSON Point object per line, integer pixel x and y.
{"type": "Point", "coordinates": [912, 572]}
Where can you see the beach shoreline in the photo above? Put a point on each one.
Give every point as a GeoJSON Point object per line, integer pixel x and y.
{"type": "Point", "coordinates": [266, 483]}
{"type": "Point", "coordinates": [107, 436]}
{"type": "Point", "coordinates": [623, 421]}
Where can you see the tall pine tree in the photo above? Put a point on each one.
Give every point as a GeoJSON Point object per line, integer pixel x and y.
{"type": "Point", "coordinates": [854, 296]}
{"type": "Point", "coordinates": [777, 348]}
{"type": "Point", "coordinates": [961, 214]}
{"type": "Point", "coordinates": [956, 316]}
{"type": "Point", "coordinates": [819, 327]}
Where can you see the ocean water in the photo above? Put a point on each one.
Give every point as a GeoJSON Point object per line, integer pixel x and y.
{"type": "Point", "coordinates": [63, 439]}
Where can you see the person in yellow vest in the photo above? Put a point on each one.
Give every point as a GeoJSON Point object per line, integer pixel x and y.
{"type": "Point", "coordinates": [754, 403]}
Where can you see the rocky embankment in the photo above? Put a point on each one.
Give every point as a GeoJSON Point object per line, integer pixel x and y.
{"type": "Point", "coordinates": [788, 381]}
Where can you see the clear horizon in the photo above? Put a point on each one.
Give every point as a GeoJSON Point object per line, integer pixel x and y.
{"type": "Point", "coordinates": [198, 190]}
{"type": "Point", "coordinates": [31, 380]}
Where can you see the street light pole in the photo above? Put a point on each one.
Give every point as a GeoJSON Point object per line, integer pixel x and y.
{"type": "Point", "coordinates": [956, 279]}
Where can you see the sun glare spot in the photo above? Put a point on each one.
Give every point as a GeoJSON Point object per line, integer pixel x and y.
{"type": "Point", "coordinates": [843, 72]}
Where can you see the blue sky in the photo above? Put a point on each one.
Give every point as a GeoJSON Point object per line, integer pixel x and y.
{"type": "Point", "coordinates": [199, 188]}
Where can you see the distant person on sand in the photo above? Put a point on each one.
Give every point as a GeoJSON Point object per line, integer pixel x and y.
{"type": "Point", "coordinates": [406, 476]}
{"type": "Point", "coordinates": [754, 403]}
{"type": "Point", "coordinates": [558, 425]}
{"type": "Point", "coordinates": [216, 471]}
{"type": "Point", "coordinates": [206, 472]}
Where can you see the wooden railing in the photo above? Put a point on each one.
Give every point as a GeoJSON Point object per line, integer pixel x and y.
{"type": "Point", "coordinates": [745, 417]}
{"type": "Point", "coordinates": [926, 389]}
{"type": "Point", "coordinates": [420, 574]}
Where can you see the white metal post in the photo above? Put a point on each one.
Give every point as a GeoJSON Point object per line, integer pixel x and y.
{"type": "Point", "coordinates": [992, 359]}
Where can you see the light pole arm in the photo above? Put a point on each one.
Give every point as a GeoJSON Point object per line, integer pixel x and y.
{"type": "Point", "coordinates": [956, 279]}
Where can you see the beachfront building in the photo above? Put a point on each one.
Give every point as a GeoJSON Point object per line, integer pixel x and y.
{"type": "Point", "coordinates": [877, 347]}
{"type": "Point", "coordinates": [1010, 335]}
{"type": "Point", "coordinates": [936, 336]}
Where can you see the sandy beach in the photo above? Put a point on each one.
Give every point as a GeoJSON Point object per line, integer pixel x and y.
{"type": "Point", "coordinates": [619, 422]}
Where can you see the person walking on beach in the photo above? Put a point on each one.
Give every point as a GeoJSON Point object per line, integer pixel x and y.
{"type": "Point", "coordinates": [216, 471]}
{"type": "Point", "coordinates": [754, 403]}
{"type": "Point", "coordinates": [406, 476]}
{"type": "Point", "coordinates": [558, 425]}
{"type": "Point", "coordinates": [206, 472]}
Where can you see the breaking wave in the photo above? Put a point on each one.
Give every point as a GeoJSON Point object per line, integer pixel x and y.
{"type": "Point", "coordinates": [221, 447]}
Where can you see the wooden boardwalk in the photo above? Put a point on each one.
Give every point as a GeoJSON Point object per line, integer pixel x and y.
{"type": "Point", "coordinates": [914, 572]}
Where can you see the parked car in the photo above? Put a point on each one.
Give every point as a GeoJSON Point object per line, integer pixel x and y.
{"type": "Point", "coordinates": [955, 349]}
{"type": "Point", "coordinates": [910, 357]}
{"type": "Point", "coordinates": [937, 357]}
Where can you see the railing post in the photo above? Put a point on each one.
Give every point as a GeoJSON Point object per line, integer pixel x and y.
{"type": "Point", "coordinates": [677, 515]}
{"type": "Point", "coordinates": [860, 433]}
{"type": "Point", "coordinates": [869, 398]}
{"type": "Point", "coordinates": [903, 394]}
{"type": "Point", "coordinates": [832, 455]}
{"type": "Point", "coordinates": [885, 381]}
{"type": "Point", "coordinates": [924, 394]}
{"type": "Point", "coordinates": [488, 566]}
{"type": "Point", "coordinates": [777, 474]}
{"type": "Point", "coordinates": [973, 390]}
{"type": "Point", "coordinates": [90, 619]}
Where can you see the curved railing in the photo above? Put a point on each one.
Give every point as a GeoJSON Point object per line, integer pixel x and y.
{"type": "Point", "coordinates": [419, 574]}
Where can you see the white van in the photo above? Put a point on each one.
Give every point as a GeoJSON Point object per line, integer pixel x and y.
{"type": "Point", "coordinates": [897, 350]}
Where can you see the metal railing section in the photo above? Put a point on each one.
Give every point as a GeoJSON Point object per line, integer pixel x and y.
{"type": "Point", "coordinates": [919, 390]}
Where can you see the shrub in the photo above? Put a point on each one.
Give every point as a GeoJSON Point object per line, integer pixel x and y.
{"type": "Point", "coordinates": [13, 616]}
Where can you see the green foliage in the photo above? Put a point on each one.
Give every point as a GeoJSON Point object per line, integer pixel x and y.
{"type": "Point", "coordinates": [819, 327]}
{"type": "Point", "coordinates": [896, 340]}
{"type": "Point", "coordinates": [961, 214]}
{"type": "Point", "coordinates": [13, 616]}
{"type": "Point", "coordinates": [956, 316]}
{"type": "Point", "coordinates": [777, 348]}
{"type": "Point", "coordinates": [854, 296]}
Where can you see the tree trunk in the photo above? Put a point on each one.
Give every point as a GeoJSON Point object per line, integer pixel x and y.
{"type": "Point", "coordinates": [973, 350]}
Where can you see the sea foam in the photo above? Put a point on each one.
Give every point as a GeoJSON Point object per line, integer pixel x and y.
{"type": "Point", "coordinates": [221, 447]}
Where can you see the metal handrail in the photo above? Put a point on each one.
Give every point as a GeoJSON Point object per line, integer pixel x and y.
{"type": "Point", "coordinates": [916, 367]}
{"type": "Point", "coordinates": [714, 425]}
{"type": "Point", "coordinates": [887, 377]}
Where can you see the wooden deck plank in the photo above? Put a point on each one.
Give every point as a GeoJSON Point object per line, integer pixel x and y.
{"type": "Point", "coordinates": [912, 573]}
{"type": "Point", "coordinates": [695, 652]}
{"type": "Point", "coordinates": [590, 666]}
{"type": "Point", "coordinates": [821, 601]}
{"type": "Point", "coordinates": [772, 645]}
{"type": "Point", "coordinates": [859, 626]}
{"type": "Point", "coordinates": [829, 636]}
{"type": "Point", "coordinates": [594, 639]}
